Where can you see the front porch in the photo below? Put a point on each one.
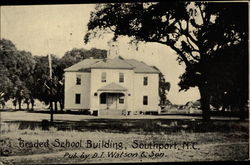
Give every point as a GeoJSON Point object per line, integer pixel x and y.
{"type": "Point", "coordinates": [111, 103]}
{"type": "Point", "coordinates": [112, 100]}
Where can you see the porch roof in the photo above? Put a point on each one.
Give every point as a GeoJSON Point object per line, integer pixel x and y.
{"type": "Point", "coordinates": [112, 87]}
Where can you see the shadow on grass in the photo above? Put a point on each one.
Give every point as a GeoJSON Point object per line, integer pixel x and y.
{"type": "Point", "coordinates": [141, 126]}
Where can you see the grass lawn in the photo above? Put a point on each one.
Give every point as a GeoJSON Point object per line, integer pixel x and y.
{"type": "Point", "coordinates": [67, 141]}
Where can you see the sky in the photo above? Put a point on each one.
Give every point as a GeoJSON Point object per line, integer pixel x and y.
{"type": "Point", "coordinates": [55, 29]}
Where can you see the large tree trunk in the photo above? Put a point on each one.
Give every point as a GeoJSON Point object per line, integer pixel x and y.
{"type": "Point", "coordinates": [51, 112]}
{"type": "Point", "coordinates": [32, 104]}
{"type": "Point", "coordinates": [61, 105]}
{"type": "Point", "coordinates": [55, 104]}
{"type": "Point", "coordinates": [3, 105]}
{"type": "Point", "coordinates": [242, 113]}
{"type": "Point", "coordinates": [204, 100]}
{"type": "Point", "coordinates": [20, 104]}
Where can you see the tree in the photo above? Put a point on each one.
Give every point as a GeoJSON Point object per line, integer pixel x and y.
{"type": "Point", "coordinates": [16, 67]}
{"type": "Point", "coordinates": [229, 78]}
{"type": "Point", "coordinates": [14, 103]}
{"type": "Point", "coordinates": [7, 52]}
{"type": "Point", "coordinates": [5, 86]}
{"type": "Point", "coordinates": [52, 90]}
{"type": "Point", "coordinates": [76, 55]}
{"type": "Point", "coordinates": [41, 79]}
{"type": "Point", "coordinates": [22, 74]}
{"type": "Point", "coordinates": [163, 88]}
{"type": "Point", "coordinates": [194, 30]}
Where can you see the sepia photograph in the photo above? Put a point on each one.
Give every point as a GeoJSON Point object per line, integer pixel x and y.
{"type": "Point", "coordinates": [124, 82]}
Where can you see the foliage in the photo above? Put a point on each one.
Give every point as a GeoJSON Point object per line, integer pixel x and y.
{"type": "Point", "coordinates": [194, 30]}
{"type": "Point", "coordinates": [163, 88]}
{"type": "Point", "coordinates": [25, 78]}
{"type": "Point", "coordinates": [16, 68]}
{"type": "Point", "coordinates": [76, 55]}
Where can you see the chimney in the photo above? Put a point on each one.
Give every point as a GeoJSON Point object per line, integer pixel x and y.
{"type": "Point", "coordinates": [113, 50]}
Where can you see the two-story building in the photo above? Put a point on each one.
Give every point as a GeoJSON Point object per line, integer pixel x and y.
{"type": "Point", "coordinates": [112, 86]}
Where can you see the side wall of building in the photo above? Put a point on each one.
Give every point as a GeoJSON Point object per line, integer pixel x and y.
{"type": "Point", "coordinates": [71, 89]}
{"type": "Point", "coordinates": [150, 90]}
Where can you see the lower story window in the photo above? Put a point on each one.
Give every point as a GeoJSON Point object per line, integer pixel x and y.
{"type": "Point", "coordinates": [145, 100]}
{"type": "Point", "coordinates": [121, 100]}
{"type": "Point", "coordinates": [78, 98]}
{"type": "Point", "coordinates": [103, 98]}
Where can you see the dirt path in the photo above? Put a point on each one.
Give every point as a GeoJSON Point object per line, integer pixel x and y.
{"type": "Point", "coordinates": [26, 116]}
{"type": "Point", "coordinates": [206, 152]}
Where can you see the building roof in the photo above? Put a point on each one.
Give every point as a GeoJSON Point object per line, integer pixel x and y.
{"type": "Point", "coordinates": [112, 87]}
{"type": "Point", "coordinates": [85, 64]}
{"type": "Point", "coordinates": [116, 63]}
{"type": "Point", "coordinates": [141, 67]}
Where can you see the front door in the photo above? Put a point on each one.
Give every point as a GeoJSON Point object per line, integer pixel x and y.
{"type": "Point", "coordinates": [112, 101]}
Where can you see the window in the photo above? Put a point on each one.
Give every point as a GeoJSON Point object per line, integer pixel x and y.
{"type": "Point", "coordinates": [78, 79]}
{"type": "Point", "coordinates": [145, 81]}
{"type": "Point", "coordinates": [145, 100]}
{"type": "Point", "coordinates": [103, 98]}
{"type": "Point", "coordinates": [121, 100]}
{"type": "Point", "coordinates": [121, 77]}
{"type": "Point", "coordinates": [103, 76]}
{"type": "Point", "coordinates": [78, 98]}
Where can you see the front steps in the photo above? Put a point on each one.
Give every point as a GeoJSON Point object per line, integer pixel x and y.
{"type": "Point", "coordinates": [112, 112]}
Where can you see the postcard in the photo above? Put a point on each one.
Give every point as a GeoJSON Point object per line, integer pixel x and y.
{"type": "Point", "coordinates": [124, 82]}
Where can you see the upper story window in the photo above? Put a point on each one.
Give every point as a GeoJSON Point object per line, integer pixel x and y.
{"type": "Point", "coordinates": [78, 79]}
{"type": "Point", "coordinates": [121, 77]}
{"type": "Point", "coordinates": [104, 76]}
{"type": "Point", "coordinates": [145, 100]}
{"type": "Point", "coordinates": [145, 81]}
{"type": "Point", "coordinates": [78, 98]}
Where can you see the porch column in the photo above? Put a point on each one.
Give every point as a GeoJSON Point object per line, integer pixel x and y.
{"type": "Point", "coordinates": [98, 100]}
{"type": "Point", "coordinates": [126, 102]}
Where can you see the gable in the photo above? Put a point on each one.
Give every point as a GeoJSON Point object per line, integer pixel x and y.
{"type": "Point", "coordinates": [112, 87]}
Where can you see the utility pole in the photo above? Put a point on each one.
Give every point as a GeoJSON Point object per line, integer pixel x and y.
{"type": "Point", "coordinates": [50, 77]}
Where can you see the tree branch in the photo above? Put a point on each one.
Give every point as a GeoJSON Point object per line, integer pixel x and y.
{"type": "Point", "coordinates": [181, 29]}
{"type": "Point", "coordinates": [111, 29]}
{"type": "Point", "coordinates": [194, 57]}
{"type": "Point", "coordinates": [202, 17]}
{"type": "Point", "coordinates": [178, 51]}
{"type": "Point", "coordinates": [2, 94]}
{"type": "Point", "coordinates": [189, 35]}
{"type": "Point", "coordinates": [192, 45]}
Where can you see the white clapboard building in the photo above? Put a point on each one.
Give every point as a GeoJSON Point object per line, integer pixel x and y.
{"type": "Point", "coordinates": [112, 86]}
